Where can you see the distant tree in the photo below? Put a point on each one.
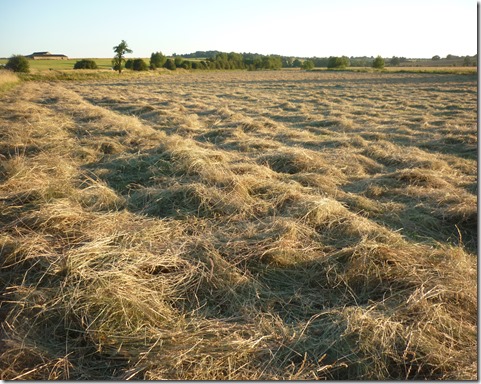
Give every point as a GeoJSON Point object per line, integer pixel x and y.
{"type": "Point", "coordinates": [211, 64]}
{"type": "Point", "coordinates": [287, 62]}
{"type": "Point", "coordinates": [297, 63]}
{"type": "Point", "coordinates": [129, 64]}
{"type": "Point", "coordinates": [436, 57]}
{"type": "Point", "coordinates": [236, 60]}
{"type": "Point", "coordinates": [186, 64]}
{"type": "Point", "coordinates": [85, 64]}
{"type": "Point", "coordinates": [139, 65]}
{"type": "Point", "coordinates": [320, 61]}
{"type": "Point", "coordinates": [338, 62]}
{"type": "Point", "coordinates": [18, 63]}
{"type": "Point", "coordinates": [178, 61]}
{"type": "Point", "coordinates": [268, 62]}
{"type": "Point", "coordinates": [467, 61]}
{"type": "Point", "coordinates": [378, 63]}
{"type": "Point", "coordinates": [363, 61]}
{"type": "Point", "coordinates": [120, 50]}
{"type": "Point", "coordinates": [307, 65]}
{"type": "Point", "coordinates": [395, 61]}
{"type": "Point", "coordinates": [274, 62]}
{"type": "Point", "coordinates": [157, 60]}
{"type": "Point", "coordinates": [170, 64]}
{"type": "Point", "coordinates": [256, 62]}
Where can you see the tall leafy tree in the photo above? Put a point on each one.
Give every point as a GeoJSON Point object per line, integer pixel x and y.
{"type": "Point", "coordinates": [120, 50]}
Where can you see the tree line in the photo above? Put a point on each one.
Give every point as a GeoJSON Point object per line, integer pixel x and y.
{"type": "Point", "coordinates": [248, 61]}
{"type": "Point", "coordinates": [220, 60]}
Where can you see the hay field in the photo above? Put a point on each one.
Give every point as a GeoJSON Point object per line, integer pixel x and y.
{"type": "Point", "coordinates": [240, 225]}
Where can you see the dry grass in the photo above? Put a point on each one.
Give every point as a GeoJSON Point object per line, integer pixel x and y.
{"type": "Point", "coordinates": [8, 80]}
{"type": "Point", "coordinates": [242, 225]}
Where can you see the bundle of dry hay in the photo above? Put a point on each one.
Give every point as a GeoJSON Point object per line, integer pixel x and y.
{"type": "Point", "coordinates": [132, 253]}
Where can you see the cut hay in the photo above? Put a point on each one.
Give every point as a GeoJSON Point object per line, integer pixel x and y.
{"type": "Point", "coordinates": [239, 225]}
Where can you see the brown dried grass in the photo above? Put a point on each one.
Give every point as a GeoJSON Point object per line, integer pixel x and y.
{"type": "Point", "coordinates": [239, 226]}
{"type": "Point", "coordinates": [8, 80]}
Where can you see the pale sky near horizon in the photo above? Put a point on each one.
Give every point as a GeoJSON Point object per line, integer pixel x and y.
{"type": "Point", "coordinates": [303, 28]}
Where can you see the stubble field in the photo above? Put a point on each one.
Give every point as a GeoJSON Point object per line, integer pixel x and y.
{"type": "Point", "coordinates": [240, 225]}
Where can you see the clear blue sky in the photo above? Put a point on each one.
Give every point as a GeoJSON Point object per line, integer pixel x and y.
{"type": "Point", "coordinates": [305, 28]}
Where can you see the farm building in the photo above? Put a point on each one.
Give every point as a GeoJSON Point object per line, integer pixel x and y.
{"type": "Point", "coordinates": [47, 56]}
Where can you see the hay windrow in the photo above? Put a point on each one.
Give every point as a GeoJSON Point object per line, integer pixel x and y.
{"type": "Point", "coordinates": [239, 226]}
